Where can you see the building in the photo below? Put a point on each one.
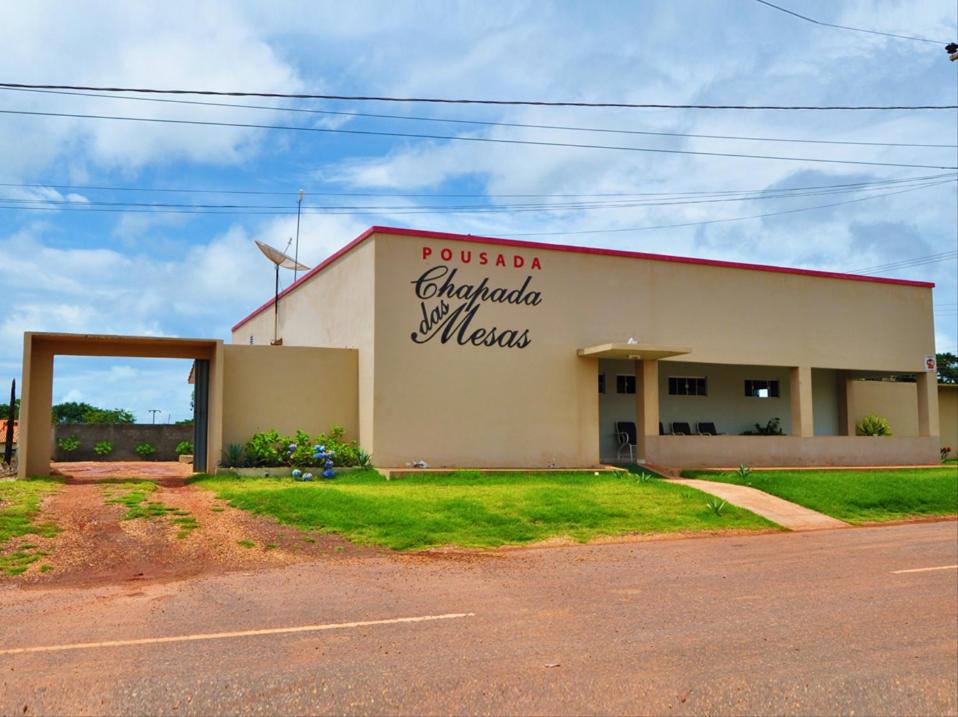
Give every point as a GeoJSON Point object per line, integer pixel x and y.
{"type": "Point", "coordinates": [475, 351]}
{"type": "Point", "coordinates": [468, 351]}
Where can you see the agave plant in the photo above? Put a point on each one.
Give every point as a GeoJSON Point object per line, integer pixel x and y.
{"type": "Point", "coordinates": [716, 505]}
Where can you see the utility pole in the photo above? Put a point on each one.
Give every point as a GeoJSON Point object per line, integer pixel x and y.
{"type": "Point", "coordinates": [154, 411]}
{"type": "Point", "coordinates": [299, 211]}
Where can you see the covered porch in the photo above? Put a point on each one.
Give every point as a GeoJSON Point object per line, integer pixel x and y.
{"type": "Point", "coordinates": [761, 415]}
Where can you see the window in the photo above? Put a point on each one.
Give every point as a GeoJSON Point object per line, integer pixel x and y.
{"type": "Point", "coordinates": [687, 386]}
{"type": "Point", "coordinates": [761, 388]}
{"type": "Point", "coordinates": [625, 384]}
{"type": "Point", "coordinates": [601, 383]}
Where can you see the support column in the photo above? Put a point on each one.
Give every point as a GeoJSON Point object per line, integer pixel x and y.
{"type": "Point", "coordinates": [928, 404]}
{"type": "Point", "coordinates": [842, 396]}
{"type": "Point", "coordinates": [851, 410]}
{"type": "Point", "coordinates": [36, 400]}
{"type": "Point", "coordinates": [646, 405]}
{"type": "Point", "coordinates": [800, 395]}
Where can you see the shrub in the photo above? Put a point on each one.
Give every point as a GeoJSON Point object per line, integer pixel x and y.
{"type": "Point", "coordinates": [270, 448]}
{"type": "Point", "coordinates": [267, 448]}
{"type": "Point", "coordinates": [145, 450]}
{"type": "Point", "coordinates": [744, 471]}
{"type": "Point", "coordinates": [874, 426]}
{"type": "Point", "coordinates": [103, 448]}
{"type": "Point", "coordinates": [772, 428]}
{"type": "Point", "coordinates": [68, 444]}
{"type": "Point", "coordinates": [184, 448]}
{"type": "Point", "coordinates": [945, 452]}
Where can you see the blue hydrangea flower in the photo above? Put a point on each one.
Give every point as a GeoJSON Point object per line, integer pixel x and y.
{"type": "Point", "coordinates": [328, 473]}
{"type": "Point", "coordinates": [297, 473]}
{"type": "Point", "coordinates": [329, 463]}
{"type": "Point", "coordinates": [292, 446]}
{"type": "Point", "coordinates": [307, 476]}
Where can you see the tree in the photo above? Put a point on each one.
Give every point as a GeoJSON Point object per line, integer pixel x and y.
{"type": "Point", "coordinates": [103, 416]}
{"type": "Point", "coordinates": [79, 412]}
{"type": "Point", "coordinates": [71, 412]}
{"type": "Point", "coordinates": [5, 410]}
{"type": "Point", "coordinates": [947, 368]}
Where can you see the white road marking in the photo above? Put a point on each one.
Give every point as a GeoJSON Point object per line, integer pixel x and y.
{"type": "Point", "coordinates": [925, 570]}
{"type": "Point", "coordinates": [237, 633]}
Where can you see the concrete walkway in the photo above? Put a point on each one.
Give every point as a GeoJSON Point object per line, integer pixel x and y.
{"type": "Point", "coordinates": [785, 513]}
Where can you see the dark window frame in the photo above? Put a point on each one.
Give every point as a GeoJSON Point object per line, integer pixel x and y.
{"type": "Point", "coordinates": [624, 382]}
{"type": "Point", "coordinates": [688, 386]}
{"type": "Point", "coordinates": [754, 385]}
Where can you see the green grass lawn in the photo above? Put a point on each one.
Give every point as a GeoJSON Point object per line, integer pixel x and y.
{"type": "Point", "coordinates": [19, 506]}
{"type": "Point", "coordinates": [858, 496]}
{"type": "Point", "coordinates": [478, 510]}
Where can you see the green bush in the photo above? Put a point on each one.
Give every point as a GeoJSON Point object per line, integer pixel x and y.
{"type": "Point", "coordinates": [270, 448]}
{"type": "Point", "coordinates": [184, 448]}
{"type": "Point", "coordinates": [145, 450]}
{"type": "Point", "coordinates": [874, 426]}
{"type": "Point", "coordinates": [266, 448]}
{"type": "Point", "coordinates": [772, 428]}
{"type": "Point", "coordinates": [103, 448]}
{"type": "Point", "coordinates": [68, 444]}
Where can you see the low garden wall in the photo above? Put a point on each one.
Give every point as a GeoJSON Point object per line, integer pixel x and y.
{"type": "Point", "coordinates": [124, 438]}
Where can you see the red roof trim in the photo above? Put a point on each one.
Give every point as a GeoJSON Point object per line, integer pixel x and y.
{"type": "Point", "coordinates": [578, 250]}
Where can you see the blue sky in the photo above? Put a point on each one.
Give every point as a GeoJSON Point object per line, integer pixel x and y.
{"type": "Point", "coordinates": [195, 275]}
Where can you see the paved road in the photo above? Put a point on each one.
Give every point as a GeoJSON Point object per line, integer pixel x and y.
{"type": "Point", "coordinates": [812, 623]}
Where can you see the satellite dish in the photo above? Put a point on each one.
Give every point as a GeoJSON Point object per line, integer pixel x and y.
{"type": "Point", "coordinates": [280, 259]}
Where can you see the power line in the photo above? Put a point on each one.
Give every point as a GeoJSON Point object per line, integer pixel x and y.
{"type": "Point", "coordinates": [730, 219]}
{"type": "Point", "coordinates": [437, 100]}
{"type": "Point", "coordinates": [908, 263]}
{"type": "Point", "coordinates": [291, 193]}
{"type": "Point", "coordinates": [339, 210]}
{"type": "Point", "coordinates": [848, 27]}
{"type": "Point", "coordinates": [489, 123]}
{"type": "Point", "coordinates": [485, 140]}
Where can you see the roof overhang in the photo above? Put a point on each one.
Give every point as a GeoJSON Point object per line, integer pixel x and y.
{"type": "Point", "coordinates": [635, 352]}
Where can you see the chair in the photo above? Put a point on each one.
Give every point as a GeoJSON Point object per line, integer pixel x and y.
{"type": "Point", "coordinates": [708, 429]}
{"type": "Point", "coordinates": [662, 431]}
{"type": "Point", "coordinates": [681, 428]}
{"type": "Point", "coordinates": [625, 435]}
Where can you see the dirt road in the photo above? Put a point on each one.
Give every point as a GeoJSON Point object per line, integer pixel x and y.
{"type": "Point", "coordinates": [860, 620]}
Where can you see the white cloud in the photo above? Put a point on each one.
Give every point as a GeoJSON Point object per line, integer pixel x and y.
{"type": "Point", "coordinates": [208, 45]}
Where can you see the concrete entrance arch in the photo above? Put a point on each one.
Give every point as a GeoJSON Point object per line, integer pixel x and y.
{"type": "Point", "coordinates": [34, 448]}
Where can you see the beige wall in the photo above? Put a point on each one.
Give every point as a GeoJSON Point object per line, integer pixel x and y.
{"type": "Point", "coordinates": [333, 309]}
{"type": "Point", "coordinates": [478, 405]}
{"type": "Point", "coordinates": [454, 404]}
{"type": "Point", "coordinates": [948, 413]}
{"type": "Point", "coordinates": [895, 400]}
{"type": "Point", "coordinates": [288, 388]}
{"type": "Point", "coordinates": [756, 451]}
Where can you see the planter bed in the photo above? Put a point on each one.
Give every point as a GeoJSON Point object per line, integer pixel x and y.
{"type": "Point", "coordinates": [280, 471]}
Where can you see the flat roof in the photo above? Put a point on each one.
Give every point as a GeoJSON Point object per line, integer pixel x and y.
{"type": "Point", "coordinates": [542, 246]}
{"type": "Point", "coordinates": [635, 351]}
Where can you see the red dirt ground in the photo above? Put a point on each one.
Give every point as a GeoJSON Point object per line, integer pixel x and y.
{"type": "Point", "coordinates": [95, 545]}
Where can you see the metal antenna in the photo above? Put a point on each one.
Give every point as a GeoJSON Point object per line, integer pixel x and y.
{"type": "Point", "coordinates": [154, 411]}
{"type": "Point", "coordinates": [280, 259]}
{"type": "Point", "coordinates": [299, 211]}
